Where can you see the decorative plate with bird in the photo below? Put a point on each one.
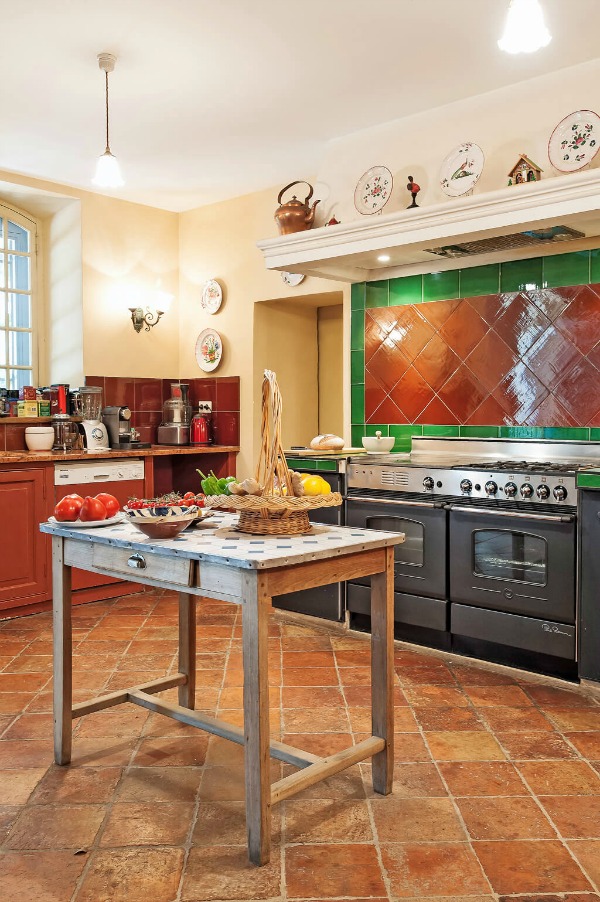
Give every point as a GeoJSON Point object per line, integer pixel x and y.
{"type": "Point", "coordinates": [461, 169]}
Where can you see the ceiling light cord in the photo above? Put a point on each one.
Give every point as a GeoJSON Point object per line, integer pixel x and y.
{"type": "Point", "coordinates": [107, 144]}
{"type": "Point", "coordinates": [108, 173]}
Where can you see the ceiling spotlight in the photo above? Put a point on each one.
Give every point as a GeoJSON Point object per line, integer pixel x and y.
{"type": "Point", "coordinates": [384, 258]}
{"type": "Point", "coordinates": [108, 173]}
{"type": "Point", "coordinates": [525, 30]}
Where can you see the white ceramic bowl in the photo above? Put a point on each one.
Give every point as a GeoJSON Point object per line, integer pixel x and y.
{"type": "Point", "coordinates": [378, 444]}
{"type": "Point", "coordinates": [39, 438]}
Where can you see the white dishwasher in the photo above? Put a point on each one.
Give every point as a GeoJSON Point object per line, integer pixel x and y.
{"type": "Point", "coordinates": [122, 478]}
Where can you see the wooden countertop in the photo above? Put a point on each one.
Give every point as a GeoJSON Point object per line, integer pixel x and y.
{"type": "Point", "coordinates": [17, 457]}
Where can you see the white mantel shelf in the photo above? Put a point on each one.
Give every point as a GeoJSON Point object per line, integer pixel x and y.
{"type": "Point", "coordinates": [348, 252]}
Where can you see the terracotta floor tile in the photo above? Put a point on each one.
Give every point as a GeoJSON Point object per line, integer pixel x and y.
{"type": "Point", "coordinates": [328, 821]}
{"type": "Point", "coordinates": [493, 696]}
{"type": "Point", "coordinates": [343, 786]}
{"type": "Point", "coordinates": [312, 676]}
{"type": "Point", "coordinates": [436, 696]}
{"type": "Point", "coordinates": [346, 657]}
{"type": "Point", "coordinates": [27, 663]}
{"type": "Point", "coordinates": [30, 726]}
{"type": "Point", "coordinates": [319, 744]}
{"type": "Point", "coordinates": [588, 744]}
{"type": "Point", "coordinates": [575, 719]}
{"type": "Point", "coordinates": [294, 659]}
{"type": "Point", "coordinates": [224, 872]}
{"type": "Point", "coordinates": [464, 746]}
{"type": "Point", "coordinates": [577, 817]}
{"type": "Point", "coordinates": [315, 720]}
{"type": "Point", "coordinates": [560, 777]}
{"type": "Point", "coordinates": [482, 778]}
{"type": "Point", "coordinates": [145, 662]}
{"type": "Point", "coordinates": [147, 824]}
{"type": "Point", "coordinates": [56, 827]}
{"type": "Point", "coordinates": [355, 676]}
{"type": "Point", "coordinates": [527, 866]}
{"type": "Point", "coordinates": [223, 784]}
{"type": "Point", "coordinates": [102, 752]}
{"type": "Point", "coordinates": [418, 870]}
{"type": "Point", "coordinates": [515, 720]}
{"type": "Point", "coordinates": [420, 780]}
{"type": "Point", "coordinates": [523, 746]}
{"type": "Point", "coordinates": [505, 818]}
{"type": "Point", "coordinates": [119, 722]}
{"type": "Point", "coordinates": [329, 871]}
{"type": "Point", "coordinates": [587, 853]}
{"type": "Point", "coordinates": [423, 675]}
{"type": "Point", "coordinates": [126, 679]}
{"type": "Point", "coordinates": [409, 747]}
{"type": "Point", "coordinates": [172, 752]}
{"type": "Point", "coordinates": [416, 820]}
{"type": "Point", "coordinates": [76, 785]}
{"type": "Point", "coordinates": [132, 875]}
{"type": "Point", "coordinates": [17, 785]}
{"type": "Point", "coordinates": [159, 725]}
{"type": "Point", "coordinates": [159, 784]}
{"type": "Point", "coordinates": [25, 753]}
{"type": "Point", "coordinates": [14, 702]}
{"type": "Point", "coordinates": [223, 823]}
{"type": "Point", "coordinates": [453, 719]}
{"type": "Point", "coordinates": [319, 696]}
{"type": "Point", "coordinates": [40, 876]}
{"type": "Point", "coordinates": [22, 682]}
{"type": "Point", "coordinates": [553, 697]}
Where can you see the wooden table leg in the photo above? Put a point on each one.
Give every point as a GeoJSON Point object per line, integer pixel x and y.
{"type": "Point", "coordinates": [382, 672]}
{"type": "Point", "coordinates": [63, 654]}
{"type": "Point", "coordinates": [187, 649]}
{"type": "Point", "coordinates": [255, 611]}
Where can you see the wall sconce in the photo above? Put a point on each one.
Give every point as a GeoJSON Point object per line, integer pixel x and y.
{"type": "Point", "coordinates": [147, 319]}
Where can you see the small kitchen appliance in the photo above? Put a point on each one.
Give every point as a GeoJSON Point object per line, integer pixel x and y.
{"type": "Point", "coordinates": [177, 415]}
{"type": "Point", "coordinates": [66, 432]}
{"type": "Point", "coordinates": [201, 426]}
{"type": "Point", "coordinates": [122, 435]}
{"type": "Point", "coordinates": [87, 404]}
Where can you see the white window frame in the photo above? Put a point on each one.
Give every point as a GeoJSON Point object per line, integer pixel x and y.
{"type": "Point", "coordinates": [26, 221]}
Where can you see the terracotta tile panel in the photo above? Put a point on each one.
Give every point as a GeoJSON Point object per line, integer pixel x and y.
{"type": "Point", "coordinates": [436, 362]}
{"type": "Point", "coordinates": [580, 321]}
{"type": "Point", "coordinates": [552, 301]}
{"type": "Point", "coordinates": [411, 394]}
{"type": "Point", "coordinates": [578, 391]}
{"type": "Point", "coordinates": [387, 365]}
{"type": "Point", "coordinates": [519, 393]}
{"type": "Point", "coordinates": [490, 307]}
{"type": "Point", "coordinates": [490, 360]}
{"type": "Point", "coordinates": [462, 393]}
{"type": "Point", "coordinates": [489, 413]}
{"type": "Point", "coordinates": [386, 412]}
{"type": "Point", "coordinates": [552, 356]}
{"type": "Point", "coordinates": [375, 394]}
{"type": "Point", "coordinates": [437, 312]}
{"type": "Point", "coordinates": [437, 412]}
{"type": "Point", "coordinates": [551, 413]}
{"type": "Point", "coordinates": [463, 330]}
{"type": "Point", "coordinates": [521, 324]}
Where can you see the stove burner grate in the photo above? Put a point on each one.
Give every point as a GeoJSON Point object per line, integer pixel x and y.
{"type": "Point", "coordinates": [519, 466]}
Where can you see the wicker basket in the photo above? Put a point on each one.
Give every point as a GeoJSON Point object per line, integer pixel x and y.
{"type": "Point", "coordinates": [278, 512]}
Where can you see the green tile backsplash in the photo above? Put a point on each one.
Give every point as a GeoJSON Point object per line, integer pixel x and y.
{"type": "Point", "coordinates": [552, 271]}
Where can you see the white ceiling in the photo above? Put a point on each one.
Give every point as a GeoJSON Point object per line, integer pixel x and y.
{"type": "Point", "coordinates": [210, 100]}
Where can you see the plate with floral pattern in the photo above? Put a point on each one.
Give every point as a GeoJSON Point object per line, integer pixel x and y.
{"type": "Point", "coordinates": [209, 350]}
{"type": "Point", "coordinates": [212, 296]}
{"type": "Point", "coordinates": [373, 190]}
{"type": "Point", "coordinates": [575, 141]}
{"type": "Point", "coordinates": [461, 169]}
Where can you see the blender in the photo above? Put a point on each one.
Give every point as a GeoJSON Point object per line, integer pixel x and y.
{"type": "Point", "coordinates": [87, 404]}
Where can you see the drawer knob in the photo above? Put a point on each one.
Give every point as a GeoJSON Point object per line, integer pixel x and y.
{"type": "Point", "coordinates": [137, 562]}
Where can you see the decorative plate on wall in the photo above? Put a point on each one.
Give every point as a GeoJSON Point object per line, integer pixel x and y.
{"type": "Point", "coordinates": [461, 169]}
{"type": "Point", "coordinates": [209, 350]}
{"type": "Point", "coordinates": [373, 190]}
{"type": "Point", "coordinates": [575, 141]}
{"type": "Point", "coordinates": [212, 296]}
{"type": "Point", "coordinates": [292, 278]}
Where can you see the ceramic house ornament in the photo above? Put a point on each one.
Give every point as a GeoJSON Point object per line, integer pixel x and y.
{"type": "Point", "coordinates": [524, 170]}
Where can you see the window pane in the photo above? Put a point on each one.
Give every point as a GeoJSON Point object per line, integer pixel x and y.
{"type": "Point", "coordinates": [19, 349]}
{"type": "Point", "coordinates": [2, 311]}
{"type": "Point", "coordinates": [2, 285]}
{"type": "Point", "coordinates": [517, 556]}
{"type": "Point", "coordinates": [19, 311]}
{"type": "Point", "coordinates": [3, 379]}
{"type": "Point", "coordinates": [19, 378]}
{"type": "Point", "coordinates": [3, 360]}
{"type": "Point", "coordinates": [1, 231]}
{"type": "Point", "coordinates": [18, 272]}
{"type": "Point", "coordinates": [18, 238]}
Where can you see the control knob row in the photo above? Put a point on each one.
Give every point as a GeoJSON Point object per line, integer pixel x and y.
{"type": "Point", "coordinates": [510, 489]}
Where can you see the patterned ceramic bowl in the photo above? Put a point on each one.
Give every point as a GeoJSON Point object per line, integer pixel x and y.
{"type": "Point", "coordinates": [162, 522]}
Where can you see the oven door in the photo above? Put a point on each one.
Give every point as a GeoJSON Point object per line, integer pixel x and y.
{"type": "Point", "coordinates": [520, 563]}
{"type": "Point", "coordinates": [419, 561]}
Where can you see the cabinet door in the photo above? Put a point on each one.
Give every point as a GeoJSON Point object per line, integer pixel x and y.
{"type": "Point", "coordinates": [24, 550]}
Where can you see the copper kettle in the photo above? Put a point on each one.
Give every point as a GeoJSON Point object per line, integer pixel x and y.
{"type": "Point", "coordinates": [295, 215]}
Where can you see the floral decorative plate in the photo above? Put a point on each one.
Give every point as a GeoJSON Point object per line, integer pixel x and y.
{"type": "Point", "coordinates": [212, 296]}
{"type": "Point", "coordinates": [209, 350]}
{"type": "Point", "coordinates": [292, 278]}
{"type": "Point", "coordinates": [373, 190]}
{"type": "Point", "coordinates": [461, 169]}
{"type": "Point", "coordinates": [575, 141]}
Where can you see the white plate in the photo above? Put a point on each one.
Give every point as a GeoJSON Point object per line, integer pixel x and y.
{"type": "Point", "coordinates": [373, 190]}
{"type": "Point", "coordinates": [209, 350]}
{"type": "Point", "coordinates": [461, 169]}
{"type": "Point", "coordinates": [292, 278]}
{"type": "Point", "coordinates": [575, 141]}
{"type": "Point", "coordinates": [80, 524]}
{"type": "Point", "coordinates": [212, 296]}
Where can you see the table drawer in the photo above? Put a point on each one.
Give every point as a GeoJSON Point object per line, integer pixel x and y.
{"type": "Point", "coordinates": [129, 563]}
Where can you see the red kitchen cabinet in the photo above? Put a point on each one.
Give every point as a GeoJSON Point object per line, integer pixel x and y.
{"type": "Point", "coordinates": [26, 499]}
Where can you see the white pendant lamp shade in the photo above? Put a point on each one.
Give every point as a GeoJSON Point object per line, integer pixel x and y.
{"type": "Point", "coordinates": [525, 30]}
{"type": "Point", "coordinates": [108, 172]}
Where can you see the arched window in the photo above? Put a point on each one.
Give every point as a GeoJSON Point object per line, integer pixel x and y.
{"type": "Point", "coordinates": [18, 247]}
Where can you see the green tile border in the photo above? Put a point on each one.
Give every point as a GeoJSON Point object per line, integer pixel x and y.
{"type": "Point", "coordinates": [588, 480]}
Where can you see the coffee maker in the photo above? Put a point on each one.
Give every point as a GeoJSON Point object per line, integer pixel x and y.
{"type": "Point", "coordinates": [177, 415]}
{"type": "Point", "coordinates": [87, 404]}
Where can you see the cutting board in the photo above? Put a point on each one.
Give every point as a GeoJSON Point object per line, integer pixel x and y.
{"type": "Point", "coordinates": [308, 452]}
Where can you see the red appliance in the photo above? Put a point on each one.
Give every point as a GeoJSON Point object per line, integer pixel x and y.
{"type": "Point", "coordinates": [201, 425]}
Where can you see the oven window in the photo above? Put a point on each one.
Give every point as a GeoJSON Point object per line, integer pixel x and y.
{"type": "Point", "coordinates": [412, 551]}
{"type": "Point", "coordinates": [507, 554]}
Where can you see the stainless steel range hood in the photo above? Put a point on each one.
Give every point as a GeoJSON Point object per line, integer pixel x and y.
{"type": "Point", "coordinates": [546, 217]}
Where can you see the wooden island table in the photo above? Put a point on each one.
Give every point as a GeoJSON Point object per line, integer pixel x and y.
{"type": "Point", "coordinates": [217, 561]}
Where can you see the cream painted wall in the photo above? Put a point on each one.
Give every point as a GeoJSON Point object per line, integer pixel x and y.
{"type": "Point", "coordinates": [219, 241]}
{"type": "Point", "coordinates": [505, 123]}
{"type": "Point", "coordinates": [331, 375]}
{"type": "Point", "coordinates": [63, 358]}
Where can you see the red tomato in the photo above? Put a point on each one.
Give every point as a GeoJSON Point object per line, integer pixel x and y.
{"type": "Point", "coordinates": [67, 510]}
{"type": "Point", "coordinates": [78, 500]}
{"type": "Point", "coordinates": [92, 509]}
{"type": "Point", "coordinates": [199, 500]}
{"type": "Point", "coordinates": [110, 503]}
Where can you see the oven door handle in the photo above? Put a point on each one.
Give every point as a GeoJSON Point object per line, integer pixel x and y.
{"type": "Point", "coordinates": [549, 518]}
{"type": "Point", "coordinates": [395, 503]}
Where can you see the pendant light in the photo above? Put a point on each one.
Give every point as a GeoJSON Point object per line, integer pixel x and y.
{"type": "Point", "coordinates": [525, 30]}
{"type": "Point", "coordinates": [108, 173]}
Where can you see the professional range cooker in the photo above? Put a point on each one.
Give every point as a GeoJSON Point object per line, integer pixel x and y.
{"type": "Point", "coordinates": [489, 564]}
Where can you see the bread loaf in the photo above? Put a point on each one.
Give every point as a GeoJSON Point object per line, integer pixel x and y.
{"type": "Point", "coordinates": [327, 442]}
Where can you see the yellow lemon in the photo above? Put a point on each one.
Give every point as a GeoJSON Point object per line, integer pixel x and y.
{"type": "Point", "coordinates": [314, 486]}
